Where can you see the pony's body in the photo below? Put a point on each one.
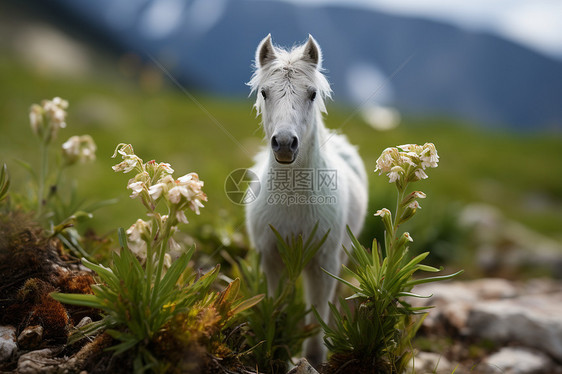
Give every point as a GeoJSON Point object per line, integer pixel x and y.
{"type": "Point", "coordinates": [290, 100]}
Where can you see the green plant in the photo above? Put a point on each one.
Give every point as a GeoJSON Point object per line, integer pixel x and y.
{"type": "Point", "coordinates": [56, 203]}
{"type": "Point", "coordinates": [275, 326]}
{"type": "Point", "coordinates": [375, 327]}
{"type": "Point", "coordinates": [139, 297]}
{"type": "Point", "coordinates": [134, 312]}
{"type": "Point", "coordinates": [4, 182]}
{"type": "Point", "coordinates": [46, 120]}
{"type": "Point", "coordinates": [207, 335]}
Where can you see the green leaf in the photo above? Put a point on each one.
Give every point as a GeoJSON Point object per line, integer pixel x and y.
{"type": "Point", "coordinates": [72, 245]}
{"type": "Point", "coordinates": [106, 274]}
{"type": "Point", "coordinates": [27, 166]}
{"type": "Point", "coordinates": [428, 268]}
{"type": "Point", "coordinates": [122, 237]}
{"type": "Point", "coordinates": [100, 204]}
{"type": "Point", "coordinates": [91, 301]}
{"type": "Point", "coordinates": [432, 279]}
{"type": "Point", "coordinates": [247, 304]}
{"type": "Point", "coordinates": [350, 285]}
{"type": "Point", "coordinates": [128, 341]}
{"type": "Point", "coordinates": [173, 274]}
{"type": "Point", "coordinates": [410, 294]}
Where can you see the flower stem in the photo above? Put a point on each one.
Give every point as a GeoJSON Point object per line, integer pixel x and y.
{"type": "Point", "coordinates": [149, 267]}
{"type": "Point", "coordinates": [42, 177]}
{"type": "Point", "coordinates": [162, 251]}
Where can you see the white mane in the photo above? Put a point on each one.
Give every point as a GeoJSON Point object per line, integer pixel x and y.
{"type": "Point", "coordinates": [289, 68]}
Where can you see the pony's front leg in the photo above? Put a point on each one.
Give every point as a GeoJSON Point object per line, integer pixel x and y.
{"type": "Point", "coordinates": [320, 289]}
{"type": "Point", "coordinates": [272, 266]}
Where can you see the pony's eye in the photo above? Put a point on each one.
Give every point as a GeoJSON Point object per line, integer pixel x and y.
{"type": "Point", "coordinates": [263, 94]}
{"type": "Point", "coordinates": [312, 95]}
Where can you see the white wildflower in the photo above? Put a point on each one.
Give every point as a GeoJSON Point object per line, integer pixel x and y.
{"type": "Point", "coordinates": [181, 217]}
{"type": "Point", "coordinates": [420, 174]}
{"type": "Point", "coordinates": [408, 158]}
{"type": "Point", "coordinates": [414, 205]}
{"type": "Point", "coordinates": [385, 161]}
{"type": "Point", "coordinates": [167, 261]}
{"type": "Point", "coordinates": [429, 156]}
{"type": "Point", "coordinates": [36, 119]}
{"type": "Point", "coordinates": [79, 148]}
{"type": "Point", "coordinates": [126, 165]}
{"type": "Point", "coordinates": [395, 173]}
{"type": "Point", "coordinates": [175, 193]}
{"type": "Point", "coordinates": [383, 212]}
{"type": "Point", "coordinates": [419, 195]}
{"type": "Point", "coordinates": [138, 234]}
{"type": "Point", "coordinates": [130, 160]}
{"type": "Point", "coordinates": [173, 245]}
{"type": "Point", "coordinates": [158, 170]}
{"type": "Point", "coordinates": [167, 168]}
{"type": "Point", "coordinates": [137, 188]}
{"type": "Point", "coordinates": [161, 187]}
{"type": "Point", "coordinates": [407, 236]}
{"type": "Point", "coordinates": [46, 119]}
{"type": "Point", "coordinates": [408, 161]}
{"type": "Point", "coordinates": [186, 190]}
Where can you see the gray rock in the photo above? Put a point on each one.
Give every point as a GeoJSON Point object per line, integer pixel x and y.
{"type": "Point", "coordinates": [514, 360]}
{"type": "Point", "coordinates": [454, 300]}
{"type": "Point", "coordinates": [303, 367]}
{"type": "Point", "coordinates": [40, 361]}
{"type": "Point", "coordinates": [533, 321]}
{"type": "Point", "coordinates": [31, 337]}
{"type": "Point", "coordinates": [8, 345]}
{"type": "Point", "coordinates": [505, 245]}
{"type": "Point", "coordinates": [429, 362]}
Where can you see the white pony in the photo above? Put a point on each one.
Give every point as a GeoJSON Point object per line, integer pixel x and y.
{"type": "Point", "coordinates": [308, 174]}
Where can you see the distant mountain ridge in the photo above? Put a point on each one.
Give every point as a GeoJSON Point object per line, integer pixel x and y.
{"type": "Point", "coordinates": [431, 67]}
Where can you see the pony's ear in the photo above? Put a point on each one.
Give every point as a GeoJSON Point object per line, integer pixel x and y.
{"type": "Point", "coordinates": [312, 52]}
{"type": "Point", "coordinates": [265, 52]}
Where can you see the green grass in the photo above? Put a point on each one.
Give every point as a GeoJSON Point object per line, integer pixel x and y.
{"type": "Point", "coordinates": [510, 170]}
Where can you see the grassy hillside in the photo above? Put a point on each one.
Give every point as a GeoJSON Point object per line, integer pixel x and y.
{"type": "Point", "coordinates": [519, 173]}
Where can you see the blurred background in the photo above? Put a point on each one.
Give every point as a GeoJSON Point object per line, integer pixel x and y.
{"type": "Point", "coordinates": [482, 80]}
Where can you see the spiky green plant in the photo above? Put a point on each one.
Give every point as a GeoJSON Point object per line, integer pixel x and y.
{"type": "Point", "coordinates": [139, 297]}
{"type": "Point", "coordinates": [132, 315]}
{"type": "Point", "coordinates": [275, 326]}
{"type": "Point", "coordinates": [374, 328]}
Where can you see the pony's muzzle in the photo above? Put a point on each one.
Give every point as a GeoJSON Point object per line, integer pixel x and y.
{"type": "Point", "coordinates": [285, 147]}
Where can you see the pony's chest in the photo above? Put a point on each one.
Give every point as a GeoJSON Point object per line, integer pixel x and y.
{"type": "Point", "coordinates": [296, 213]}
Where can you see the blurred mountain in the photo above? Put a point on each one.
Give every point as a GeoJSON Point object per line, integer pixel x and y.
{"type": "Point", "coordinates": [417, 65]}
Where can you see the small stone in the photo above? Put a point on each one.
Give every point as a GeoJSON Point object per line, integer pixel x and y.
{"type": "Point", "coordinates": [303, 367]}
{"type": "Point", "coordinates": [429, 362]}
{"type": "Point", "coordinates": [533, 320]}
{"type": "Point", "coordinates": [31, 337]}
{"type": "Point", "coordinates": [8, 344]}
{"type": "Point", "coordinates": [513, 360]}
{"type": "Point", "coordinates": [40, 361]}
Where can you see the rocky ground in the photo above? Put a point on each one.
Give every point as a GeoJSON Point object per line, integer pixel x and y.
{"type": "Point", "coordinates": [481, 326]}
{"type": "Point", "coordinates": [488, 326]}
{"type": "Point", "coordinates": [493, 326]}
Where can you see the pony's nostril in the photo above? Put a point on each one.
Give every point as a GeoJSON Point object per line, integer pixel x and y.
{"type": "Point", "coordinates": [294, 144]}
{"type": "Point", "coordinates": [275, 144]}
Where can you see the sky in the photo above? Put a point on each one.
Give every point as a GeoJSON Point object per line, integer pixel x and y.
{"type": "Point", "coordinates": [533, 23]}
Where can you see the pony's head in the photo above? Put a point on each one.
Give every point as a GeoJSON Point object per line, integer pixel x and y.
{"type": "Point", "coordinates": [291, 91]}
